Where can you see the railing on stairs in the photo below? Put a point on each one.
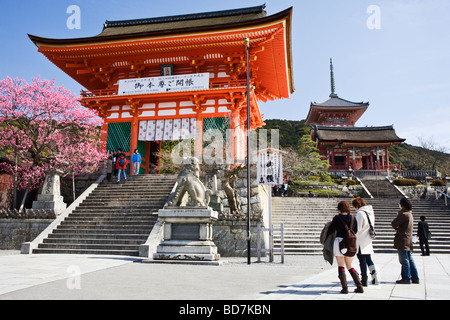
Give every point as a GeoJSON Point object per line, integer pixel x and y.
{"type": "Point", "coordinates": [271, 249]}
{"type": "Point", "coordinates": [396, 187]}
{"type": "Point", "coordinates": [446, 196]}
{"type": "Point", "coordinates": [364, 188]}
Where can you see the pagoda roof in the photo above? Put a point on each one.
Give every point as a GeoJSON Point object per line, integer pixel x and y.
{"type": "Point", "coordinates": [319, 112]}
{"type": "Point", "coordinates": [336, 102]}
{"type": "Point", "coordinates": [356, 135]}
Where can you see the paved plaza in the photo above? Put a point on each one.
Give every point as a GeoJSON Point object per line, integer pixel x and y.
{"type": "Point", "coordinates": [299, 278]}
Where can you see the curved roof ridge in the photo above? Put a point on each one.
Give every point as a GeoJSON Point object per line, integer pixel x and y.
{"type": "Point", "coordinates": [184, 17]}
{"type": "Point", "coordinates": [339, 102]}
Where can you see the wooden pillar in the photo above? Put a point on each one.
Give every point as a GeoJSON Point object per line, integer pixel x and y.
{"type": "Point", "coordinates": [198, 143]}
{"type": "Point", "coordinates": [371, 159]}
{"type": "Point", "coordinates": [332, 157]}
{"type": "Point", "coordinates": [134, 137]}
{"type": "Point", "coordinates": [378, 157]}
{"type": "Point", "coordinates": [347, 159]}
{"type": "Point", "coordinates": [353, 158]}
{"type": "Point", "coordinates": [158, 165]}
{"type": "Point", "coordinates": [234, 142]}
{"type": "Point", "coordinates": [387, 156]}
{"type": "Point", "coordinates": [104, 136]}
{"type": "Point", "coordinates": [148, 145]}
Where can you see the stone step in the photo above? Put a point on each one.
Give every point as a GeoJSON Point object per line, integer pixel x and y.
{"type": "Point", "coordinates": [86, 251]}
{"type": "Point", "coordinates": [114, 219]}
{"type": "Point", "coordinates": [78, 246]}
{"type": "Point", "coordinates": [89, 232]}
{"type": "Point", "coordinates": [99, 236]}
{"type": "Point", "coordinates": [121, 204]}
{"type": "Point", "coordinates": [64, 241]}
{"type": "Point", "coordinates": [121, 219]}
{"type": "Point", "coordinates": [105, 224]}
{"type": "Point", "coordinates": [304, 218]}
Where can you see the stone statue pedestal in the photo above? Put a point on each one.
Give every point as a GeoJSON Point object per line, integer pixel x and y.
{"type": "Point", "coordinates": [187, 235]}
{"type": "Point", "coordinates": [50, 198]}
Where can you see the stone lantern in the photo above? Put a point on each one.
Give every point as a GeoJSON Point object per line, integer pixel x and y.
{"type": "Point", "coordinates": [50, 198]}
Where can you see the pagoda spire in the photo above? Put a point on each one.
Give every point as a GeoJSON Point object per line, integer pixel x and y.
{"type": "Point", "coordinates": [333, 93]}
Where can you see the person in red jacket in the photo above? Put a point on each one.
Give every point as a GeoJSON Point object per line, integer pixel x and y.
{"type": "Point", "coordinates": [121, 165]}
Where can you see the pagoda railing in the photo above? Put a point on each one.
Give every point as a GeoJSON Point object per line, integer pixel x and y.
{"type": "Point", "coordinates": [212, 85]}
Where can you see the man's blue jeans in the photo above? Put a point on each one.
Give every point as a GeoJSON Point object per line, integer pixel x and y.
{"type": "Point", "coordinates": [124, 174]}
{"type": "Point", "coordinates": [409, 270]}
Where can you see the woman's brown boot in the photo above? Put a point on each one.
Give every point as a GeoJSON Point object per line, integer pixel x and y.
{"type": "Point", "coordinates": [356, 280]}
{"type": "Point", "coordinates": [343, 278]}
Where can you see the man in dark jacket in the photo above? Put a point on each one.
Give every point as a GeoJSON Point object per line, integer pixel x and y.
{"type": "Point", "coordinates": [424, 235]}
{"type": "Point", "coordinates": [403, 223]}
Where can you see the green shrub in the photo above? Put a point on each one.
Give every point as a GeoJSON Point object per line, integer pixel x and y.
{"type": "Point", "coordinates": [406, 182]}
{"type": "Point", "coordinates": [351, 182]}
{"type": "Point", "coordinates": [437, 183]}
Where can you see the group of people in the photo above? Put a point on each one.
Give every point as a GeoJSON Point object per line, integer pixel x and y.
{"type": "Point", "coordinates": [362, 225]}
{"type": "Point", "coordinates": [279, 190]}
{"type": "Point", "coordinates": [117, 162]}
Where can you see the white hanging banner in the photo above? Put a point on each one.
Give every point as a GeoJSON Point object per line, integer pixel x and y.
{"type": "Point", "coordinates": [270, 166]}
{"type": "Point", "coordinates": [182, 82]}
{"type": "Point", "coordinates": [167, 129]}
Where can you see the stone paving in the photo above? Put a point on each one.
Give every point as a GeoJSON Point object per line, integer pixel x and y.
{"type": "Point", "coordinates": [299, 278]}
{"type": "Point", "coordinates": [434, 274]}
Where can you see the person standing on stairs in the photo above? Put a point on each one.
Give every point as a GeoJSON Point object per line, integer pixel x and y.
{"type": "Point", "coordinates": [365, 218]}
{"type": "Point", "coordinates": [344, 261]}
{"type": "Point", "coordinates": [109, 168]}
{"type": "Point", "coordinates": [403, 223]}
{"type": "Point", "coordinates": [121, 164]}
{"type": "Point", "coordinates": [136, 160]}
{"type": "Point", "coordinates": [424, 234]}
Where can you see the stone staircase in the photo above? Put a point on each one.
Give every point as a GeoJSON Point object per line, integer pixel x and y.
{"type": "Point", "coordinates": [115, 219]}
{"type": "Point", "coordinates": [304, 218]}
{"type": "Point", "coordinates": [381, 188]}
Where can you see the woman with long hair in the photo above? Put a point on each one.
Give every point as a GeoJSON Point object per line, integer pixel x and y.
{"type": "Point", "coordinates": [337, 225]}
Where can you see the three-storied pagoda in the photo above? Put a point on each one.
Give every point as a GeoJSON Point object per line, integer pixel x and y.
{"type": "Point", "coordinates": [340, 142]}
{"type": "Point", "coordinates": [171, 78]}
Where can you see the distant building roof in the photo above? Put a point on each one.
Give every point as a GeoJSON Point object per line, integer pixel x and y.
{"type": "Point", "coordinates": [336, 102]}
{"type": "Point", "coordinates": [347, 112]}
{"type": "Point", "coordinates": [356, 135]}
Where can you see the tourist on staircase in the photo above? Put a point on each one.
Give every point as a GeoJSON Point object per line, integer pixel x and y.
{"type": "Point", "coordinates": [403, 223]}
{"type": "Point", "coordinates": [136, 160]}
{"type": "Point", "coordinates": [121, 165]}
{"type": "Point", "coordinates": [365, 219]}
{"type": "Point", "coordinates": [424, 234]}
{"type": "Point", "coordinates": [337, 224]}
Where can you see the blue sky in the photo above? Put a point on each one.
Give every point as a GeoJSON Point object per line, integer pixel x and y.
{"type": "Point", "coordinates": [401, 69]}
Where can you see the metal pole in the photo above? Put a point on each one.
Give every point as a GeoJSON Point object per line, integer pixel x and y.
{"type": "Point", "coordinates": [270, 224]}
{"type": "Point", "coordinates": [282, 242]}
{"type": "Point", "coordinates": [247, 45]}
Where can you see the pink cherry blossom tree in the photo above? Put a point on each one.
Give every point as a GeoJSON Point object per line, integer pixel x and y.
{"type": "Point", "coordinates": [44, 127]}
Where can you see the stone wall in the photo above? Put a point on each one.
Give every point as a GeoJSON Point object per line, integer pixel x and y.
{"type": "Point", "coordinates": [230, 235]}
{"type": "Point", "coordinates": [14, 232]}
{"type": "Point", "coordinates": [418, 192]}
{"type": "Point", "coordinates": [230, 238]}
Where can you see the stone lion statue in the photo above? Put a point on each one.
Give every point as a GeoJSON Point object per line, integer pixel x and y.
{"type": "Point", "coordinates": [229, 180]}
{"type": "Point", "coordinates": [188, 182]}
